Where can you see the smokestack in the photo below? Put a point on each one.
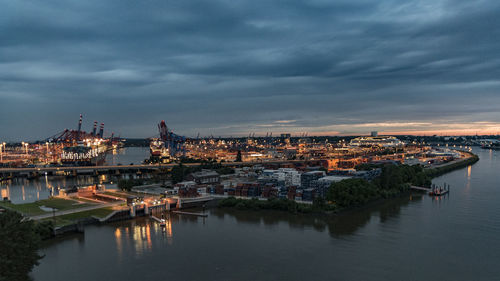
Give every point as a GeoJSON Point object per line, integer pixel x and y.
{"type": "Point", "coordinates": [101, 131]}
{"type": "Point", "coordinates": [80, 124]}
{"type": "Point", "coordinates": [79, 127]}
{"type": "Point", "coordinates": [95, 129]}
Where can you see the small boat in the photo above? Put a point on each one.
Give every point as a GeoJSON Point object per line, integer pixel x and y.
{"type": "Point", "coordinates": [439, 191]}
{"type": "Point", "coordinates": [163, 223]}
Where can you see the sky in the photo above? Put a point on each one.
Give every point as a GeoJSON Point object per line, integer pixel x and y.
{"type": "Point", "coordinates": [232, 67]}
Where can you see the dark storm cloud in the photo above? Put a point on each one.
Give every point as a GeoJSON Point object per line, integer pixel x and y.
{"type": "Point", "coordinates": [230, 67]}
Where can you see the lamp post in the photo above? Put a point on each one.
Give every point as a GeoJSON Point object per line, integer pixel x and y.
{"type": "Point", "coordinates": [1, 152]}
{"type": "Point", "coordinates": [26, 146]}
{"type": "Point", "coordinates": [47, 152]}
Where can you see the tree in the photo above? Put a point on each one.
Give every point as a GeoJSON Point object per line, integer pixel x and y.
{"type": "Point", "coordinates": [238, 156]}
{"type": "Point", "coordinates": [178, 173]}
{"type": "Point", "coordinates": [397, 177]}
{"type": "Point", "coordinates": [127, 184]}
{"type": "Point", "coordinates": [19, 243]}
{"type": "Point", "coordinates": [352, 192]}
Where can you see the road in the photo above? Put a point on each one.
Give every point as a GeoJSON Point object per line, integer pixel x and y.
{"type": "Point", "coordinates": [138, 167]}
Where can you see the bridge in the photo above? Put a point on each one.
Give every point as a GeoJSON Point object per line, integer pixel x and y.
{"type": "Point", "coordinates": [6, 172]}
{"type": "Point", "coordinates": [182, 201]}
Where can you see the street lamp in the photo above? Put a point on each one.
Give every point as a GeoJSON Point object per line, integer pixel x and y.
{"type": "Point", "coordinates": [1, 152]}
{"type": "Point", "coordinates": [47, 154]}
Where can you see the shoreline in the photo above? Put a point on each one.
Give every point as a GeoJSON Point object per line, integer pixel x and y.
{"type": "Point", "coordinates": [432, 172]}
{"type": "Point", "coordinates": [298, 208]}
{"type": "Point", "coordinates": [452, 166]}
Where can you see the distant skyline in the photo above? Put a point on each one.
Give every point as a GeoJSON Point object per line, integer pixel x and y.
{"type": "Point", "coordinates": [227, 68]}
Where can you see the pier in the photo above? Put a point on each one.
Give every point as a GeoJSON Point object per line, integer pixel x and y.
{"type": "Point", "coordinates": [426, 189]}
{"type": "Point", "coordinates": [190, 214]}
{"type": "Point", "coordinates": [434, 190]}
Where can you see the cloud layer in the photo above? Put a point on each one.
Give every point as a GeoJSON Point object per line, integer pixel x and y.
{"type": "Point", "coordinates": [233, 67]}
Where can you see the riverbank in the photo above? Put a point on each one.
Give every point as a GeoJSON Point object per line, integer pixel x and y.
{"type": "Point", "coordinates": [59, 215]}
{"type": "Point", "coordinates": [452, 166]}
{"type": "Point", "coordinates": [45, 206]}
{"type": "Point", "coordinates": [275, 204]}
{"type": "Point", "coordinates": [351, 194]}
{"type": "Point", "coordinates": [302, 246]}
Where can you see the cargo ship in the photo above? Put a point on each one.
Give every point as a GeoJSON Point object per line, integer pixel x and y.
{"type": "Point", "coordinates": [168, 147]}
{"type": "Point", "coordinates": [159, 151]}
{"type": "Point", "coordinates": [81, 155]}
{"type": "Point", "coordinates": [80, 148]}
{"type": "Point", "coordinates": [493, 146]}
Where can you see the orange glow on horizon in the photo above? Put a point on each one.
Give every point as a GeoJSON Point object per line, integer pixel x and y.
{"type": "Point", "coordinates": [417, 128]}
{"type": "Point", "coordinates": [462, 132]}
{"type": "Point", "coordinates": [451, 132]}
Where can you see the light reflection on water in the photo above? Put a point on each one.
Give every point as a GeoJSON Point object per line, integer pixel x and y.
{"type": "Point", "coordinates": [455, 237]}
{"type": "Point", "coordinates": [136, 237]}
{"type": "Point", "coordinates": [22, 190]}
{"type": "Point", "coordinates": [118, 239]}
{"type": "Point", "coordinates": [128, 155]}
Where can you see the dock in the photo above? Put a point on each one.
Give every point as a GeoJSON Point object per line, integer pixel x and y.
{"type": "Point", "coordinates": [439, 192]}
{"type": "Point", "coordinates": [190, 214]}
{"type": "Point", "coordinates": [426, 189]}
{"type": "Point", "coordinates": [161, 221]}
{"type": "Point", "coordinates": [156, 219]}
{"type": "Point", "coordinates": [434, 190]}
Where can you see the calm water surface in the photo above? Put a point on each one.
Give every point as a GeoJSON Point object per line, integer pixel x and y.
{"type": "Point", "coordinates": [22, 190]}
{"type": "Point", "coordinates": [417, 238]}
{"type": "Point", "coordinates": [127, 156]}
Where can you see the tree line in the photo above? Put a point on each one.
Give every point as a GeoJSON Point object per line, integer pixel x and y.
{"type": "Point", "coordinates": [20, 240]}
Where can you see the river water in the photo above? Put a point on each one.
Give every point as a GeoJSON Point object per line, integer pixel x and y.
{"type": "Point", "coordinates": [127, 156]}
{"type": "Point", "coordinates": [22, 190]}
{"type": "Point", "coordinates": [414, 238]}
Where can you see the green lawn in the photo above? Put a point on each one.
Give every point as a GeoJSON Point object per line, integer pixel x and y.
{"type": "Point", "coordinates": [116, 194]}
{"type": "Point", "coordinates": [33, 209]}
{"type": "Point", "coordinates": [86, 200]}
{"type": "Point", "coordinates": [71, 218]}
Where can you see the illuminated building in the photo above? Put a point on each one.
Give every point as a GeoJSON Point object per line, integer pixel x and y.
{"type": "Point", "coordinates": [376, 141]}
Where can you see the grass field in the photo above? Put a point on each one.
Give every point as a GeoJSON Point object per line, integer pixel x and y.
{"type": "Point", "coordinates": [32, 209]}
{"type": "Point", "coordinates": [116, 194]}
{"type": "Point", "coordinates": [86, 200]}
{"type": "Point", "coordinates": [71, 218]}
